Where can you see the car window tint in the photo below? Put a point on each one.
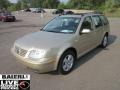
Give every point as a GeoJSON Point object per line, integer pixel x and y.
{"type": "Point", "coordinates": [63, 25]}
{"type": "Point", "coordinates": [87, 23]}
{"type": "Point", "coordinates": [97, 21]}
{"type": "Point", "coordinates": [104, 20]}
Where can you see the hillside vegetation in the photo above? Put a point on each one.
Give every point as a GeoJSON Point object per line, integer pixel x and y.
{"type": "Point", "coordinates": [109, 7]}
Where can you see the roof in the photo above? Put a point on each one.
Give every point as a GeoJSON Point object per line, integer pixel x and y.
{"type": "Point", "coordinates": [81, 14]}
{"type": "Point", "coordinates": [72, 15]}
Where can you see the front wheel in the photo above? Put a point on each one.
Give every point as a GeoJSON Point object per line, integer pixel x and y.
{"type": "Point", "coordinates": [104, 42]}
{"type": "Point", "coordinates": [67, 62]}
{"type": "Point", "coordinates": [14, 19]}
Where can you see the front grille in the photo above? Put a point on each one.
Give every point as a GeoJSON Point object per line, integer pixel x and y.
{"type": "Point", "coordinates": [20, 51]}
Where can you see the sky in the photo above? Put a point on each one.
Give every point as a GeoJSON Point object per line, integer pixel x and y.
{"type": "Point", "coordinates": [14, 1]}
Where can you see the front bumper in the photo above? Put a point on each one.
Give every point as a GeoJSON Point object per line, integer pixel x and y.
{"type": "Point", "coordinates": [10, 18]}
{"type": "Point", "coordinates": [50, 64]}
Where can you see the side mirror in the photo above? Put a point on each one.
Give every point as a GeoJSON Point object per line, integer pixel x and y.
{"type": "Point", "coordinates": [86, 31]}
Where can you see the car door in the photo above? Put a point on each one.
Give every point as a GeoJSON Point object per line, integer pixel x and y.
{"type": "Point", "coordinates": [86, 41]}
{"type": "Point", "coordinates": [99, 28]}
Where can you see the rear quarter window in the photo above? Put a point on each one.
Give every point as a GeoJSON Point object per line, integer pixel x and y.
{"type": "Point", "coordinates": [104, 20]}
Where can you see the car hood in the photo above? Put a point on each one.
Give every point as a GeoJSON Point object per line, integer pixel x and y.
{"type": "Point", "coordinates": [43, 40]}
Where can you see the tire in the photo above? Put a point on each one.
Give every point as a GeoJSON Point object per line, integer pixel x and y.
{"type": "Point", "coordinates": [14, 19]}
{"type": "Point", "coordinates": [66, 63]}
{"type": "Point", "coordinates": [104, 42]}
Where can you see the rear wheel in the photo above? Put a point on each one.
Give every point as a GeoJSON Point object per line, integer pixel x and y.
{"type": "Point", "coordinates": [14, 19]}
{"type": "Point", "coordinates": [104, 42]}
{"type": "Point", "coordinates": [67, 62]}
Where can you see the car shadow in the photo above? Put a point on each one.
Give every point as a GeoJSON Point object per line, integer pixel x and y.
{"type": "Point", "coordinates": [18, 20]}
{"type": "Point", "coordinates": [87, 57]}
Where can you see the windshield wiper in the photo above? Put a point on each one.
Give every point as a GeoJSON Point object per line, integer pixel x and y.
{"type": "Point", "coordinates": [59, 32]}
{"type": "Point", "coordinates": [52, 31]}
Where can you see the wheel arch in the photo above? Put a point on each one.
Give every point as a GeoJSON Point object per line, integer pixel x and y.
{"type": "Point", "coordinates": [63, 51]}
{"type": "Point", "coordinates": [67, 49]}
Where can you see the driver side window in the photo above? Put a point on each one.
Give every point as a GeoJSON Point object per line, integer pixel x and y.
{"type": "Point", "coordinates": [87, 24]}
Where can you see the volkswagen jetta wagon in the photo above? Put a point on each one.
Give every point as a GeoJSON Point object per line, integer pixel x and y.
{"type": "Point", "coordinates": [61, 42]}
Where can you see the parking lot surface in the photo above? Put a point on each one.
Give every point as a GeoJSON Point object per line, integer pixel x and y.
{"type": "Point", "coordinates": [97, 70]}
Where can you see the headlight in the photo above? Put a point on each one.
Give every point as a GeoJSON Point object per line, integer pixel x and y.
{"type": "Point", "coordinates": [36, 54]}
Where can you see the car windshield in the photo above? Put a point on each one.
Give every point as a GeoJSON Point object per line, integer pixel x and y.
{"type": "Point", "coordinates": [62, 25]}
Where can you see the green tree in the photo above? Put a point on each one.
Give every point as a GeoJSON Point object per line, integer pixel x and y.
{"type": "Point", "coordinates": [36, 3]}
{"type": "Point", "coordinates": [21, 4]}
{"type": "Point", "coordinates": [12, 7]}
{"type": "Point", "coordinates": [18, 5]}
{"type": "Point", "coordinates": [112, 5]}
{"type": "Point", "coordinates": [62, 6]}
{"type": "Point", "coordinates": [85, 4]}
{"type": "Point", "coordinates": [4, 4]}
{"type": "Point", "coordinates": [24, 4]}
{"type": "Point", "coordinates": [116, 3]}
{"type": "Point", "coordinates": [50, 3]}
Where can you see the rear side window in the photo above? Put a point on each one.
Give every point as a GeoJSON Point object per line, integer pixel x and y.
{"type": "Point", "coordinates": [97, 21]}
{"type": "Point", "coordinates": [104, 20]}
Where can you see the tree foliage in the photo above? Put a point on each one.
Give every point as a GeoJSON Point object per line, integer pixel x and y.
{"type": "Point", "coordinates": [72, 4]}
{"type": "Point", "coordinates": [4, 4]}
{"type": "Point", "coordinates": [62, 6]}
{"type": "Point", "coordinates": [85, 4]}
{"type": "Point", "coordinates": [36, 3]}
{"type": "Point", "coordinates": [50, 3]}
{"type": "Point", "coordinates": [92, 4]}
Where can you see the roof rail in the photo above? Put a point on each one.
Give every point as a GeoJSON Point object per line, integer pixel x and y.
{"type": "Point", "coordinates": [82, 14]}
{"type": "Point", "coordinates": [94, 12]}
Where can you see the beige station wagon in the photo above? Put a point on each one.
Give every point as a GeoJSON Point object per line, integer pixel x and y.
{"type": "Point", "coordinates": [61, 42]}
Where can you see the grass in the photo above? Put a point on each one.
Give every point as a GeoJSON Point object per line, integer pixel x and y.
{"type": "Point", "coordinates": [115, 13]}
